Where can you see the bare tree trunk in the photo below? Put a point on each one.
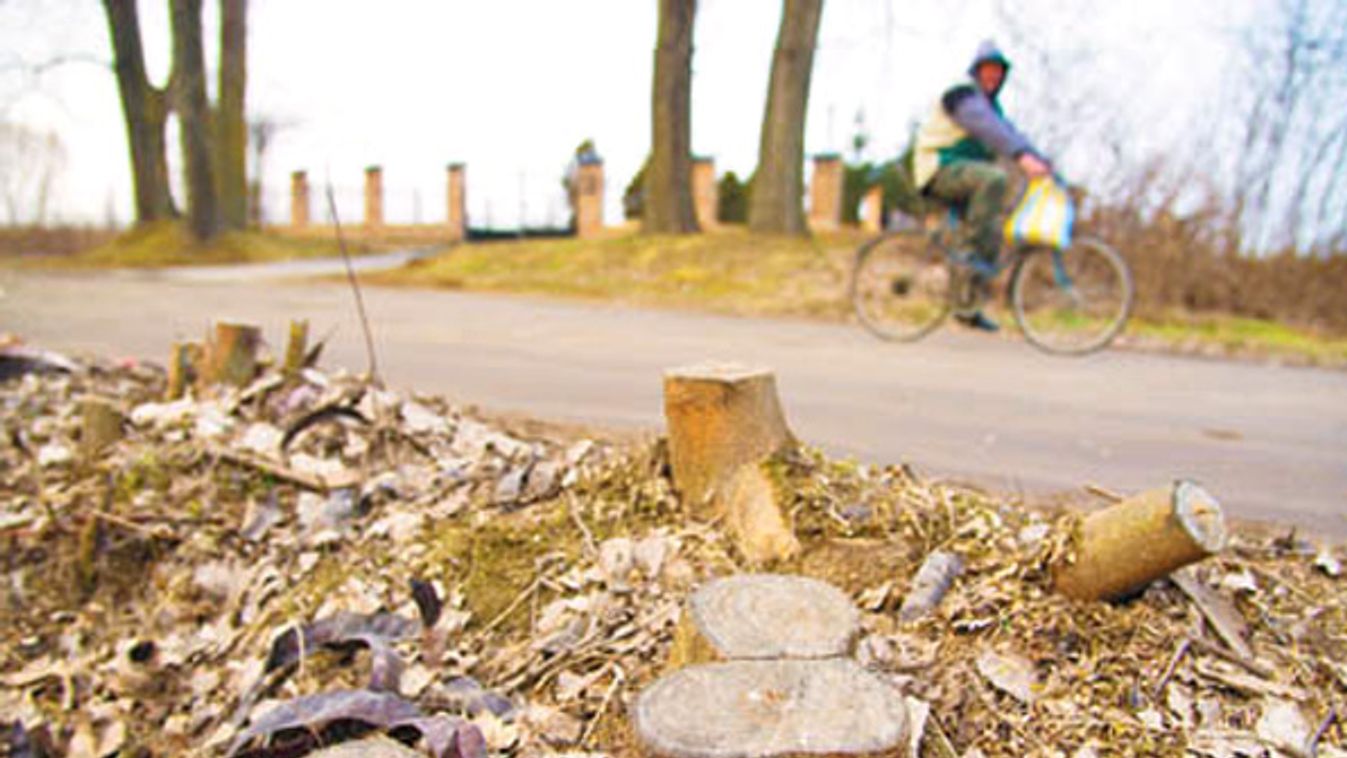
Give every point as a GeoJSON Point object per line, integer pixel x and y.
{"type": "Point", "coordinates": [145, 110]}
{"type": "Point", "coordinates": [231, 128]}
{"type": "Point", "coordinates": [668, 183]}
{"type": "Point", "coordinates": [778, 186]}
{"type": "Point", "coordinates": [189, 89]}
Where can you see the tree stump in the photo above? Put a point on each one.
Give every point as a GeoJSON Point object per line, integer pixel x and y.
{"type": "Point", "coordinates": [231, 355]}
{"type": "Point", "coordinates": [183, 361]}
{"type": "Point", "coordinates": [764, 616]}
{"type": "Point", "coordinates": [737, 709]}
{"type": "Point", "coordinates": [296, 347]}
{"type": "Point", "coordinates": [101, 425]}
{"type": "Point", "coordinates": [1124, 547]}
{"type": "Point", "coordinates": [724, 423]}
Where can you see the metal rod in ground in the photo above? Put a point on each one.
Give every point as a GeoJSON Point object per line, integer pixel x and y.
{"type": "Point", "coordinates": [355, 287]}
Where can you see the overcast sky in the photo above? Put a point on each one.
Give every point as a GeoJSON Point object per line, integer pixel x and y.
{"type": "Point", "coordinates": [511, 86]}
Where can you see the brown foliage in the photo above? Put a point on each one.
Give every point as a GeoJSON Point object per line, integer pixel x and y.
{"type": "Point", "coordinates": [59, 240]}
{"type": "Point", "coordinates": [1180, 263]}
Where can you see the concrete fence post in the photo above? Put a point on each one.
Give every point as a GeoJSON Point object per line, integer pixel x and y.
{"type": "Point", "coordinates": [872, 210]}
{"type": "Point", "coordinates": [589, 199]}
{"type": "Point", "coordinates": [374, 197]}
{"type": "Point", "coordinates": [825, 193]}
{"type": "Point", "coordinates": [457, 198]}
{"type": "Point", "coordinates": [705, 193]}
{"type": "Point", "coordinates": [299, 199]}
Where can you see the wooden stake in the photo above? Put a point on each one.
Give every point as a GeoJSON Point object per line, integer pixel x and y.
{"type": "Point", "coordinates": [724, 422]}
{"type": "Point", "coordinates": [1124, 547]}
{"type": "Point", "coordinates": [231, 354]}
{"type": "Point", "coordinates": [297, 346]}
{"type": "Point", "coordinates": [101, 425]}
{"type": "Point", "coordinates": [184, 360]}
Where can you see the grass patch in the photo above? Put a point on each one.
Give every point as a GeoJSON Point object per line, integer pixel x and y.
{"type": "Point", "coordinates": [728, 271]}
{"type": "Point", "coordinates": [168, 243]}
{"type": "Point", "coordinates": [734, 272]}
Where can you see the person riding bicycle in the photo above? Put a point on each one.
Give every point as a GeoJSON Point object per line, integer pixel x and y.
{"type": "Point", "coordinates": [954, 159]}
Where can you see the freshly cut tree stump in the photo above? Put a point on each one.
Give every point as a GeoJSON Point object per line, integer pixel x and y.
{"type": "Point", "coordinates": [231, 354]}
{"type": "Point", "coordinates": [738, 709]}
{"type": "Point", "coordinates": [296, 347]}
{"type": "Point", "coordinates": [183, 361]}
{"type": "Point", "coordinates": [725, 421]}
{"type": "Point", "coordinates": [764, 616]}
{"type": "Point", "coordinates": [1124, 547]}
{"type": "Point", "coordinates": [101, 425]}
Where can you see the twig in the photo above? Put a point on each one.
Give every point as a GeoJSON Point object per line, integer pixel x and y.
{"type": "Point", "coordinates": [1104, 492]}
{"type": "Point", "coordinates": [308, 481]}
{"type": "Point", "coordinates": [512, 607]}
{"type": "Point", "coordinates": [1248, 664]}
{"type": "Point", "coordinates": [618, 678]}
{"type": "Point", "coordinates": [1312, 747]}
{"type": "Point", "coordinates": [355, 287]}
{"type": "Point", "coordinates": [590, 544]}
{"type": "Point", "coordinates": [1174, 660]}
{"type": "Point", "coordinates": [130, 525]}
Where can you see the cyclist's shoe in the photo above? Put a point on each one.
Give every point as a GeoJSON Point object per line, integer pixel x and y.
{"type": "Point", "coordinates": [978, 320]}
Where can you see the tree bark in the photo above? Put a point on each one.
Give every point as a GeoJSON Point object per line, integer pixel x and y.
{"type": "Point", "coordinates": [778, 186]}
{"type": "Point", "coordinates": [189, 90]}
{"type": "Point", "coordinates": [231, 127]}
{"type": "Point", "coordinates": [145, 110]}
{"type": "Point", "coordinates": [668, 183]}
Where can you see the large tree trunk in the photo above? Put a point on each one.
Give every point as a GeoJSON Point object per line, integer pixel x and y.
{"type": "Point", "coordinates": [668, 183]}
{"type": "Point", "coordinates": [145, 110]}
{"type": "Point", "coordinates": [231, 127]}
{"type": "Point", "coordinates": [189, 90]}
{"type": "Point", "coordinates": [778, 186]}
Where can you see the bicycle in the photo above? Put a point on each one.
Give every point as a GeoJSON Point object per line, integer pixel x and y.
{"type": "Point", "coordinates": [906, 282]}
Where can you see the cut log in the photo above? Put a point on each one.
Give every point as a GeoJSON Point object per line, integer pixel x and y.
{"type": "Point", "coordinates": [764, 616]}
{"type": "Point", "coordinates": [369, 747]}
{"type": "Point", "coordinates": [101, 425]}
{"type": "Point", "coordinates": [183, 361]}
{"type": "Point", "coordinates": [1124, 547]}
{"type": "Point", "coordinates": [296, 347]}
{"type": "Point", "coordinates": [724, 422]}
{"type": "Point", "coordinates": [771, 708]}
{"type": "Point", "coordinates": [231, 354]}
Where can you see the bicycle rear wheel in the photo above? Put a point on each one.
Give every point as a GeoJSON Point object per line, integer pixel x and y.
{"type": "Point", "coordinates": [900, 285]}
{"type": "Point", "coordinates": [1072, 302]}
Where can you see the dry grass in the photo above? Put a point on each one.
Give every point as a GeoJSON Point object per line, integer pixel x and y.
{"type": "Point", "coordinates": [42, 242]}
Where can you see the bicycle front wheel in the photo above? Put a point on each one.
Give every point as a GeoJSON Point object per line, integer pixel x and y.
{"type": "Point", "coordinates": [900, 285]}
{"type": "Point", "coordinates": [1074, 301]}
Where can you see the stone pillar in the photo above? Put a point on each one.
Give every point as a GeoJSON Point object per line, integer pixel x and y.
{"type": "Point", "coordinates": [457, 198]}
{"type": "Point", "coordinates": [872, 210]}
{"type": "Point", "coordinates": [589, 198]}
{"type": "Point", "coordinates": [705, 193]}
{"type": "Point", "coordinates": [299, 199]}
{"type": "Point", "coordinates": [374, 197]}
{"type": "Point", "coordinates": [825, 193]}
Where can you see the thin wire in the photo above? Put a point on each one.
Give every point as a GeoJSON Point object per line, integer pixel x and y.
{"type": "Point", "coordinates": [355, 287]}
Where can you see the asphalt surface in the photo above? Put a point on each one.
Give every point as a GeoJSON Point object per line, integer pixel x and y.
{"type": "Point", "coordinates": [1270, 442]}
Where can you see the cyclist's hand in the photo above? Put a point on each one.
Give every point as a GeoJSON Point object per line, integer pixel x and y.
{"type": "Point", "coordinates": [1033, 166]}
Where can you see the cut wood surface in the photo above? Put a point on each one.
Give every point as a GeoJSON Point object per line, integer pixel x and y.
{"type": "Point", "coordinates": [183, 360]}
{"type": "Point", "coordinates": [737, 709]}
{"type": "Point", "coordinates": [231, 354]}
{"type": "Point", "coordinates": [296, 347]}
{"type": "Point", "coordinates": [764, 616]}
{"type": "Point", "coordinates": [369, 747]}
{"type": "Point", "coordinates": [725, 422]}
{"type": "Point", "coordinates": [1124, 547]}
{"type": "Point", "coordinates": [101, 424]}
{"type": "Point", "coordinates": [721, 417]}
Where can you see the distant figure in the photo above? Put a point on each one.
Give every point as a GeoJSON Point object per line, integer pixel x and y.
{"type": "Point", "coordinates": [955, 159]}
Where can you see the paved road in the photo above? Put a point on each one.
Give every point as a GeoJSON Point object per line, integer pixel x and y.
{"type": "Point", "coordinates": [1271, 442]}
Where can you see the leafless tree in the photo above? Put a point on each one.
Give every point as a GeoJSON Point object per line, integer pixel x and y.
{"type": "Point", "coordinates": [668, 182]}
{"type": "Point", "coordinates": [30, 164]}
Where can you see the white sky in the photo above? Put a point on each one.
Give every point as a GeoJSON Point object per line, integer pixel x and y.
{"type": "Point", "coordinates": [511, 86]}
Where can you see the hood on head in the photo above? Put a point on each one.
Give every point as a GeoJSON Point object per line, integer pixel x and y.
{"type": "Point", "coordinates": [988, 51]}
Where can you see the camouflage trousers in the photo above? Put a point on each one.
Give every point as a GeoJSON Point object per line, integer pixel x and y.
{"type": "Point", "coordinates": [982, 187]}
